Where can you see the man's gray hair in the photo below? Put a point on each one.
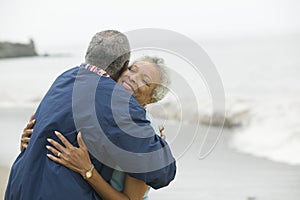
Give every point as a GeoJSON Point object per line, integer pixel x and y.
{"type": "Point", "coordinates": [163, 88]}
{"type": "Point", "coordinates": [108, 50]}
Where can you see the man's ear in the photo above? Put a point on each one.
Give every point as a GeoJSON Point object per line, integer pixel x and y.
{"type": "Point", "coordinates": [125, 66]}
{"type": "Point", "coordinates": [117, 75]}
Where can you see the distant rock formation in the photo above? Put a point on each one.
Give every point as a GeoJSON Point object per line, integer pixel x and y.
{"type": "Point", "coordinates": [13, 50]}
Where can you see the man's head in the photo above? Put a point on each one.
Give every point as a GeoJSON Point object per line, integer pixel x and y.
{"type": "Point", "coordinates": [110, 51]}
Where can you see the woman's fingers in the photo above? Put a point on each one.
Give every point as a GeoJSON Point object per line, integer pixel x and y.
{"type": "Point", "coordinates": [31, 117]}
{"type": "Point", "coordinates": [80, 141]}
{"type": "Point", "coordinates": [56, 159]}
{"type": "Point", "coordinates": [54, 151]}
{"type": "Point", "coordinates": [27, 133]}
{"type": "Point", "coordinates": [25, 139]}
{"type": "Point", "coordinates": [24, 146]}
{"type": "Point", "coordinates": [56, 145]}
{"type": "Point", "coordinates": [161, 128]}
{"type": "Point", "coordinates": [63, 140]}
{"type": "Point", "coordinates": [76, 159]}
{"type": "Point", "coordinates": [30, 124]}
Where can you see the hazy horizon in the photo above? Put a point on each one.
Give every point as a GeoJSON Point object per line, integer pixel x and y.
{"type": "Point", "coordinates": [67, 22]}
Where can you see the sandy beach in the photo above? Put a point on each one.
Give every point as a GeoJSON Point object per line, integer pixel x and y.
{"type": "Point", "coordinates": [13, 121]}
{"type": "Point", "coordinates": [4, 172]}
{"type": "Point", "coordinates": [225, 174]}
{"type": "Point", "coordinates": [228, 174]}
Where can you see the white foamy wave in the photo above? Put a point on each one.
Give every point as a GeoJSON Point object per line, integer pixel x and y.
{"type": "Point", "coordinates": [269, 129]}
{"type": "Point", "coordinates": [273, 132]}
{"type": "Point", "coordinates": [237, 111]}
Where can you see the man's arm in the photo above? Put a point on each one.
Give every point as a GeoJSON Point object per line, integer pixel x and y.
{"type": "Point", "coordinates": [115, 129]}
{"type": "Point", "coordinates": [134, 146]}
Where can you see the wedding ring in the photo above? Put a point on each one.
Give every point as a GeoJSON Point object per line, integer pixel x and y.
{"type": "Point", "coordinates": [58, 155]}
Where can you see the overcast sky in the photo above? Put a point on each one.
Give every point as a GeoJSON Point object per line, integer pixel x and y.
{"type": "Point", "coordinates": [74, 22]}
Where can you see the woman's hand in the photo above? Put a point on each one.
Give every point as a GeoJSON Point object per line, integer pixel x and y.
{"type": "Point", "coordinates": [161, 129]}
{"type": "Point", "coordinates": [25, 137]}
{"type": "Point", "coordinates": [76, 159]}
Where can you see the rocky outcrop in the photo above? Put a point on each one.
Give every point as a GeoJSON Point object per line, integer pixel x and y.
{"type": "Point", "coordinates": [13, 50]}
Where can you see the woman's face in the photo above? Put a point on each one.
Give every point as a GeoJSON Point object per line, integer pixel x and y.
{"type": "Point", "coordinates": [140, 79]}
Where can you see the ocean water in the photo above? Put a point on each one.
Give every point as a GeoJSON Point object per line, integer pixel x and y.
{"type": "Point", "coordinates": [261, 78]}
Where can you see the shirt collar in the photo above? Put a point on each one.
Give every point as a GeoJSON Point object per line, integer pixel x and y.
{"type": "Point", "coordinates": [95, 69]}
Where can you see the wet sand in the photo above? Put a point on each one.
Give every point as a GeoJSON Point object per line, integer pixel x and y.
{"type": "Point", "coordinates": [229, 175]}
{"type": "Point", "coordinates": [4, 172]}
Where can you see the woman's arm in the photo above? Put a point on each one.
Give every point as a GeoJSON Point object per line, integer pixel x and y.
{"type": "Point", "coordinates": [78, 160]}
{"type": "Point", "coordinates": [132, 184]}
{"type": "Point", "coordinates": [134, 189]}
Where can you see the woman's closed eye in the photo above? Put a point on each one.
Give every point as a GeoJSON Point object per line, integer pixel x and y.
{"type": "Point", "coordinates": [132, 68]}
{"type": "Point", "coordinates": [146, 82]}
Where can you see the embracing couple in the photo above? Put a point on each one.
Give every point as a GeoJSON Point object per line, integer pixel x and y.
{"type": "Point", "coordinates": [91, 137]}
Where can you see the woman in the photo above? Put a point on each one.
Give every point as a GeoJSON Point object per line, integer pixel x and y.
{"type": "Point", "coordinates": [146, 80]}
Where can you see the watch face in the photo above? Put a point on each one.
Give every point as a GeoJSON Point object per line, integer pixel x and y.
{"type": "Point", "coordinates": [88, 174]}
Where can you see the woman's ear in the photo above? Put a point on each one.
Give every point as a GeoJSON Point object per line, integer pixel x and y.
{"type": "Point", "coordinates": [151, 101]}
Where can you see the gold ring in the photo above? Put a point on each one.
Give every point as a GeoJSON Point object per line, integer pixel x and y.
{"type": "Point", "coordinates": [58, 155]}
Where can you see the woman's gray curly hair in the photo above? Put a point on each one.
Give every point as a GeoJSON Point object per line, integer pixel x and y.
{"type": "Point", "coordinates": [163, 88]}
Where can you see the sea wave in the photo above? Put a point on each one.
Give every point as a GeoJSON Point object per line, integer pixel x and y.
{"type": "Point", "coordinates": [273, 132]}
{"type": "Point", "coordinates": [236, 112]}
{"type": "Point", "coordinates": [269, 129]}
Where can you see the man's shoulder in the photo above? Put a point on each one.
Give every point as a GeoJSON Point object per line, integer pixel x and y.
{"type": "Point", "coordinates": [86, 77]}
{"type": "Point", "coordinates": [111, 96]}
{"type": "Point", "coordinates": [118, 95]}
{"type": "Point", "coordinates": [72, 70]}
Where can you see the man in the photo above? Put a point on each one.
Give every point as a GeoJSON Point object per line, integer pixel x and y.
{"type": "Point", "coordinates": [81, 100]}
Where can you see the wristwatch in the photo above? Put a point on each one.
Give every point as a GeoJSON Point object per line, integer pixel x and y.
{"type": "Point", "coordinates": [89, 173]}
